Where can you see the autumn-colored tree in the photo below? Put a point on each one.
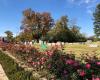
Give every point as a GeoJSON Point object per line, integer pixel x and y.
{"type": "Point", "coordinates": [46, 23]}
{"type": "Point", "coordinates": [36, 23]}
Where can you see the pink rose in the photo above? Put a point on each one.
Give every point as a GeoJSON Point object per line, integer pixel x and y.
{"type": "Point", "coordinates": [70, 61]}
{"type": "Point", "coordinates": [49, 66]}
{"type": "Point", "coordinates": [38, 63]}
{"type": "Point", "coordinates": [65, 72]}
{"type": "Point", "coordinates": [98, 63]}
{"type": "Point", "coordinates": [88, 66]}
{"type": "Point", "coordinates": [33, 63]}
{"type": "Point", "coordinates": [96, 78]}
{"type": "Point", "coordinates": [82, 73]}
{"type": "Point", "coordinates": [42, 62]}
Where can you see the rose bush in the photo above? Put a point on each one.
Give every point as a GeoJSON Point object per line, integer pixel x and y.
{"type": "Point", "coordinates": [63, 66]}
{"type": "Point", "coordinates": [66, 67]}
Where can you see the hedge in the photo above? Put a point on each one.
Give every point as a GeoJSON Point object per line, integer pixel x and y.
{"type": "Point", "coordinates": [12, 70]}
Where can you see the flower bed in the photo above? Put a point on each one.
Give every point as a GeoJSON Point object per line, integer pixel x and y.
{"type": "Point", "coordinates": [12, 70]}
{"type": "Point", "coordinates": [20, 51]}
{"type": "Point", "coordinates": [66, 67]}
{"type": "Point", "coordinates": [62, 66]}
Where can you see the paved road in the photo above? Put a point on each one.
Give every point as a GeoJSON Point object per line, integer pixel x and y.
{"type": "Point", "coordinates": [2, 74]}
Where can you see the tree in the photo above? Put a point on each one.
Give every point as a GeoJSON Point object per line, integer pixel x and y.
{"type": "Point", "coordinates": [9, 35]}
{"type": "Point", "coordinates": [77, 36]}
{"type": "Point", "coordinates": [75, 31]}
{"type": "Point", "coordinates": [96, 15]}
{"type": "Point", "coordinates": [36, 23]}
{"type": "Point", "coordinates": [46, 23]}
{"type": "Point", "coordinates": [61, 31]}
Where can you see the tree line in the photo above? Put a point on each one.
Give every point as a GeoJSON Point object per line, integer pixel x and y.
{"type": "Point", "coordinates": [42, 26]}
{"type": "Point", "coordinates": [36, 26]}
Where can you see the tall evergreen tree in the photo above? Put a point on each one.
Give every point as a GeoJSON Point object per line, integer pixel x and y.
{"type": "Point", "coordinates": [96, 15]}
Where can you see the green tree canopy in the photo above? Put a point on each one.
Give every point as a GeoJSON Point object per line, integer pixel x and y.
{"type": "Point", "coordinates": [96, 15]}
{"type": "Point", "coordinates": [9, 35]}
{"type": "Point", "coordinates": [60, 32]}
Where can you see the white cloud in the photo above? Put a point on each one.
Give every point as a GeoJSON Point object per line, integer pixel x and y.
{"type": "Point", "coordinates": [87, 1]}
{"type": "Point", "coordinates": [82, 1]}
{"type": "Point", "coordinates": [90, 11]}
{"type": "Point", "coordinates": [90, 7]}
{"type": "Point", "coordinates": [88, 4]}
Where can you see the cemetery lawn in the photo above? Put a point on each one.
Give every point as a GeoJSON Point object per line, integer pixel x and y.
{"type": "Point", "coordinates": [80, 49]}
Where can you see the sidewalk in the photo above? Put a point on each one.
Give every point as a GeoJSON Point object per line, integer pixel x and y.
{"type": "Point", "coordinates": [2, 74]}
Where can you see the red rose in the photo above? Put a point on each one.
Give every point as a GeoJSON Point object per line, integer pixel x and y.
{"type": "Point", "coordinates": [33, 63]}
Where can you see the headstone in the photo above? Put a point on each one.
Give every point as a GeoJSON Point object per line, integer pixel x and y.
{"type": "Point", "coordinates": [30, 43]}
{"type": "Point", "coordinates": [71, 43]}
{"type": "Point", "coordinates": [62, 43]}
{"type": "Point", "coordinates": [40, 42]}
{"type": "Point", "coordinates": [58, 43]}
{"type": "Point", "coordinates": [25, 43]}
{"type": "Point", "coordinates": [93, 45]}
{"type": "Point", "coordinates": [49, 44]}
{"type": "Point", "coordinates": [53, 44]}
{"type": "Point", "coordinates": [66, 43]}
{"type": "Point", "coordinates": [89, 41]}
{"type": "Point", "coordinates": [76, 43]}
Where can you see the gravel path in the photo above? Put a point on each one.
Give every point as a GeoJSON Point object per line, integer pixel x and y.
{"type": "Point", "coordinates": [2, 74]}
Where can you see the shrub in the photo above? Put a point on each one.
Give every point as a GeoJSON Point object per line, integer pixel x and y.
{"type": "Point", "coordinates": [63, 66]}
{"type": "Point", "coordinates": [66, 67]}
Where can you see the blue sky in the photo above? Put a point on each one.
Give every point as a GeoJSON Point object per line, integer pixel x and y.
{"type": "Point", "coordinates": [79, 10]}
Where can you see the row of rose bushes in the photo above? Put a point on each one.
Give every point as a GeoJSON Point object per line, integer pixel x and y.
{"type": "Point", "coordinates": [12, 70]}
{"type": "Point", "coordinates": [63, 66]}
{"type": "Point", "coordinates": [19, 50]}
